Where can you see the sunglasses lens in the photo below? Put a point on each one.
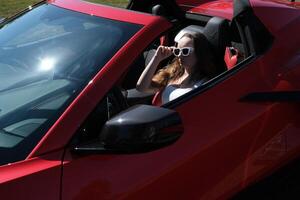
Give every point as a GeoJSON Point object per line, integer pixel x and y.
{"type": "Point", "coordinates": [176, 52]}
{"type": "Point", "coordinates": [185, 51]}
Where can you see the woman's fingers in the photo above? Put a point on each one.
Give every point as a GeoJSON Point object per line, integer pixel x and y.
{"type": "Point", "coordinates": [163, 52]}
{"type": "Point", "coordinates": [167, 51]}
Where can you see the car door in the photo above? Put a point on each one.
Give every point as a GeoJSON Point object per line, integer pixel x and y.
{"type": "Point", "coordinates": [236, 126]}
{"type": "Point", "coordinates": [226, 142]}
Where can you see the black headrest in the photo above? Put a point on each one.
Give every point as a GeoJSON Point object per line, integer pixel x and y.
{"type": "Point", "coordinates": [217, 32]}
{"type": "Point", "coordinates": [158, 10]}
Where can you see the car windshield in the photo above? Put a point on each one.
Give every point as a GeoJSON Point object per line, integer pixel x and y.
{"type": "Point", "coordinates": [47, 56]}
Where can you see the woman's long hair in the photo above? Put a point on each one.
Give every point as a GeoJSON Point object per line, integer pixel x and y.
{"type": "Point", "coordinates": [204, 67]}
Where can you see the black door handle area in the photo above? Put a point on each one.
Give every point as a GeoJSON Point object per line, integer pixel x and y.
{"type": "Point", "coordinates": [275, 96]}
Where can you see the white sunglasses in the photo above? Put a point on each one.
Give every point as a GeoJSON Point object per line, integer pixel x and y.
{"type": "Point", "coordinates": [185, 51]}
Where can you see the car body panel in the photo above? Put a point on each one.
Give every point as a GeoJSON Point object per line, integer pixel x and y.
{"type": "Point", "coordinates": [37, 178]}
{"type": "Point", "coordinates": [277, 15]}
{"type": "Point", "coordinates": [279, 3]}
{"type": "Point", "coordinates": [104, 11]}
{"type": "Point", "coordinates": [283, 57]}
{"type": "Point", "coordinates": [222, 8]}
{"type": "Point", "coordinates": [211, 167]}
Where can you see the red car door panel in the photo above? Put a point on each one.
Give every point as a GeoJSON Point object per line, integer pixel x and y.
{"type": "Point", "coordinates": [37, 178]}
{"type": "Point", "coordinates": [237, 141]}
{"type": "Point", "coordinates": [227, 143]}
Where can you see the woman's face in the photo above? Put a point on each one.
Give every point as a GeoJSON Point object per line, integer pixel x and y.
{"type": "Point", "coordinates": [191, 59]}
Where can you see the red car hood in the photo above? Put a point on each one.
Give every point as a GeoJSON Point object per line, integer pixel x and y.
{"type": "Point", "coordinates": [285, 3]}
{"type": "Point", "coordinates": [220, 8]}
{"type": "Point", "coordinates": [104, 11]}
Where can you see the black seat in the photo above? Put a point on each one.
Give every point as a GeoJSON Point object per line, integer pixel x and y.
{"type": "Point", "coordinates": [217, 31]}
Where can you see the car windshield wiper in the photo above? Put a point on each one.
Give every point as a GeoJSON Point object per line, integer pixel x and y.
{"type": "Point", "coordinates": [13, 46]}
{"type": "Point", "coordinates": [25, 82]}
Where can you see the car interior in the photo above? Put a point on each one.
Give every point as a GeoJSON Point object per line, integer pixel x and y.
{"type": "Point", "coordinates": [222, 34]}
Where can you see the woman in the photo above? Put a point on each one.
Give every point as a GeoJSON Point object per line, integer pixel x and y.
{"type": "Point", "coordinates": [192, 66]}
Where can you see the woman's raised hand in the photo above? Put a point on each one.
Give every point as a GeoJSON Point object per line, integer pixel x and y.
{"type": "Point", "coordinates": [163, 52]}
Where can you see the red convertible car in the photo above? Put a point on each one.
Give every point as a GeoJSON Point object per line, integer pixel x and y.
{"type": "Point", "coordinates": [72, 125]}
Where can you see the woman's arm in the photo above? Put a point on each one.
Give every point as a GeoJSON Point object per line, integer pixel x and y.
{"type": "Point", "coordinates": [145, 80]}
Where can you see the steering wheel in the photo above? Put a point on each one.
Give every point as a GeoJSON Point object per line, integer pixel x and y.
{"type": "Point", "coordinates": [117, 101]}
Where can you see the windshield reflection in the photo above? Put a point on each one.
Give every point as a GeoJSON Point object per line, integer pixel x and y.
{"type": "Point", "coordinates": [47, 56]}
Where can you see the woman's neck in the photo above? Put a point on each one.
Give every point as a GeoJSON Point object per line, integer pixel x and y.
{"type": "Point", "coordinates": [187, 68]}
{"type": "Point", "coordinates": [188, 74]}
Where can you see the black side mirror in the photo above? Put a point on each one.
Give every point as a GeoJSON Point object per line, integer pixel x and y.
{"type": "Point", "coordinates": [139, 129]}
